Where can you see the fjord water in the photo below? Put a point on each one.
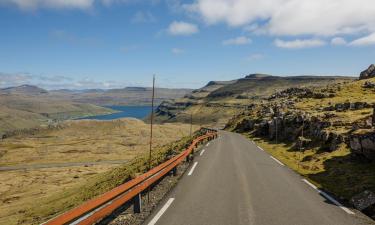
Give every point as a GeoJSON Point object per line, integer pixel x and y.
{"type": "Point", "coordinates": [139, 112]}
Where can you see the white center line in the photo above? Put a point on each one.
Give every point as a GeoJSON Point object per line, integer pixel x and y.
{"type": "Point", "coordinates": [202, 152]}
{"type": "Point", "coordinates": [277, 161]}
{"type": "Point", "coordinates": [192, 169]}
{"type": "Point", "coordinates": [327, 196]}
{"type": "Point", "coordinates": [161, 212]}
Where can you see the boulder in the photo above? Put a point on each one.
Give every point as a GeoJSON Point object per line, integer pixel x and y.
{"type": "Point", "coordinates": [368, 84]}
{"type": "Point", "coordinates": [368, 73]}
{"type": "Point", "coordinates": [363, 200]}
{"type": "Point", "coordinates": [363, 144]}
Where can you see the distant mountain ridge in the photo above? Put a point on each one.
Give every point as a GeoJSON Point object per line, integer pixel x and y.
{"type": "Point", "coordinates": [219, 100]}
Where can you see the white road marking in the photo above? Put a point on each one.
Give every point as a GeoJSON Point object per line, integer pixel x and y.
{"type": "Point", "coordinates": [310, 184]}
{"type": "Point", "coordinates": [192, 169]}
{"type": "Point", "coordinates": [202, 152]}
{"type": "Point", "coordinates": [261, 148]}
{"type": "Point", "coordinates": [161, 212]}
{"type": "Point", "coordinates": [277, 161]}
{"type": "Point", "coordinates": [208, 144]}
{"type": "Point", "coordinates": [336, 202]}
{"type": "Point", "coordinates": [327, 196]}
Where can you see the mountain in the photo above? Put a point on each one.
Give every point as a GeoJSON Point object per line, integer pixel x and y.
{"type": "Point", "coordinates": [218, 101]}
{"type": "Point", "coordinates": [24, 90]}
{"type": "Point", "coordinates": [27, 106]}
{"type": "Point", "coordinates": [124, 96]}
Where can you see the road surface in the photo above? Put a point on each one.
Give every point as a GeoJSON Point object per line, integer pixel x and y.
{"type": "Point", "coordinates": [233, 182]}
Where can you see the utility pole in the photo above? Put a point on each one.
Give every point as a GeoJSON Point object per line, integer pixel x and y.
{"type": "Point", "coordinates": [151, 125]}
{"type": "Point", "coordinates": [191, 124]}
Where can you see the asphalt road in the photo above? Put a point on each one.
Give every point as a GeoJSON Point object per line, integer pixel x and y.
{"type": "Point", "coordinates": [233, 182]}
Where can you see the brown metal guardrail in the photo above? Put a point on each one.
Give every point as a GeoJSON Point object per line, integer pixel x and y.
{"type": "Point", "coordinates": [103, 205]}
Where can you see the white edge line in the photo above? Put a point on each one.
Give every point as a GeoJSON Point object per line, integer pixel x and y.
{"type": "Point", "coordinates": [327, 196]}
{"type": "Point", "coordinates": [310, 184]}
{"type": "Point", "coordinates": [261, 148]}
{"type": "Point", "coordinates": [277, 160]}
{"type": "Point", "coordinates": [202, 152]}
{"type": "Point", "coordinates": [336, 202]}
{"type": "Point", "coordinates": [161, 212]}
{"type": "Point", "coordinates": [192, 169]}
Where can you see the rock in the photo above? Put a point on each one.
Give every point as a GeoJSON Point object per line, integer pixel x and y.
{"type": "Point", "coordinates": [363, 144]}
{"type": "Point", "coordinates": [368, 84]}
{"type": "Point", "coordinates": [363, 200]}
{"type": "Point", "coordinates": [369, 73]}
{"type": "Point", "coordinates": [302, 143]}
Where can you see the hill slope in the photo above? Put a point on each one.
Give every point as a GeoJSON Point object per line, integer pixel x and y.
{"type": "Point", "coordinates": [218, 101]}
{"type": "Point", "coordinates": [325, 133]}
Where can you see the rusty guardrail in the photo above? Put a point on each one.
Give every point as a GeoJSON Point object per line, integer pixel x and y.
{"type": "Point", "coordinates": [103, 205]}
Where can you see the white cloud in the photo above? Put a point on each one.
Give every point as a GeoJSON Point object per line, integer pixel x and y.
{"type": "Point", "coordinates": [241, 40]}
{"type": "Point", "coordinates": [291, 17]}
{"type": "Point", "coordinates": [364, 41]}
{"type": "Point", "coordinates": [34, 4]}
{"type": "Point", "coordinates": [182, 28]}
{"type": "Point", "coordinates": [338, 41]}
{"type": "Point", "coordinates": [299, 43]}
{"type": "Point", "coordinates": [55, 82]}
{"type": "Point", "coordinates": [177, 51]}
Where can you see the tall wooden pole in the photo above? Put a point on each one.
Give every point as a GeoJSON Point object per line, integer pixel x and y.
{"type": "Point", "coordinates": [151, 125]}
{"type": "Point", "coordinates": [191, 124]}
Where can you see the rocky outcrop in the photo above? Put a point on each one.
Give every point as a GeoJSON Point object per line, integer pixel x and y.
{"type": "Point", "coordinates": [363, 200]}
{"type": "Point", "coordinates": [368, 73]}
{"type": "Point", "coordinates": [341, 107]}
{"type": "Point", "coordinates": [363, 143]}
{"type": "Point", "coordinates": [368, 84]}
{"type": "Point", "coordinates": [300, 93]}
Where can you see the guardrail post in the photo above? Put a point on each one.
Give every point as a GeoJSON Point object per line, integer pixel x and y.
{"type": "Point", "coordinates": [137, 203]}
{"type": "Point", "coordinates": [174, 171]}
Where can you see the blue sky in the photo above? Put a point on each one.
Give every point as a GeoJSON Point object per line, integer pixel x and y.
{"type": "Point", "coordinates": [115, 43]}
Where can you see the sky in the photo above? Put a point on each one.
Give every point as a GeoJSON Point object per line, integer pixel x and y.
{"type": "Point", "coordinates": [79, 44]}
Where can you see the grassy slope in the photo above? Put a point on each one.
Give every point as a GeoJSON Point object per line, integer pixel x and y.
{"type": "Point", "coordinates": [216, 104]}
{"type": "Point", "coordinates": [336, 172]}
{"type": "Point", "coordinates": [25, 111]}
{"type": "Point", "coordinates": [33, 196]}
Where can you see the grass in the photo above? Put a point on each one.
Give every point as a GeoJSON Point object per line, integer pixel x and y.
{"type": "Point", "coordinates": [99, 184]}
{"type": "Point", "coordinates": [34, 196]}
{"type": "Point", "coordinates": [336, 172]}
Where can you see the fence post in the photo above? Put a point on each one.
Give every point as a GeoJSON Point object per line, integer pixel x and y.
{"type": "Point", "coordinates": [174, 171]}
{"type": "Point", "coordinates": [137, 203]}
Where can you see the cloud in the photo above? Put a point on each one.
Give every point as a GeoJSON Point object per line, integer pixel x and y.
{"type": "Point", "coordinates": [241, 40]}
{"type": "Point", "coordinates": [182, 28]}
{"type": "Point", "coordinates": [290, 17]}
{"type": "Point", "coordinates": [299, 43]}
{"type": "Point", "coordinates": [143, 17]}
{"type": "Point", "coordinates": [54, 82]}
{"type": "Point", "coordinates": [364, 41]}
{"type": "Point", "coordinates": [338, 41]}
{"type": "Point", "coordinates": [31, 5]}
{"type": "Point", "coordinates": [53, 4]}
{"type": "Point", "coordinates": [177, 51]}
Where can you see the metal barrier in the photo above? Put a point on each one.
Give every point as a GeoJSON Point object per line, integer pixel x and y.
{"type": "Point", "coordinates": [103, 205]}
